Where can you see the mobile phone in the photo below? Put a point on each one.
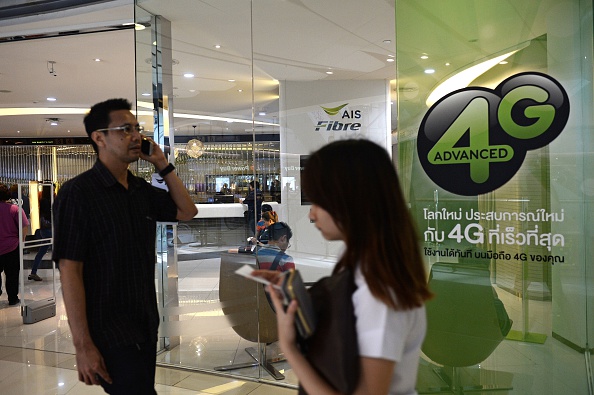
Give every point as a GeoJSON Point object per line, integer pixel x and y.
{"type": "Point", "coordinates": [293, 288]}
{"type": "Point", "coordinates": [146, 147]}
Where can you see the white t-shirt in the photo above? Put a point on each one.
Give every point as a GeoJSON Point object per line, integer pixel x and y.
{"type": "Point", "coordinates": [385, 333]}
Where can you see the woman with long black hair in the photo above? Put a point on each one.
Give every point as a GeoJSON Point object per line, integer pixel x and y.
{"type": "Point", "coordinates": [356, 198]}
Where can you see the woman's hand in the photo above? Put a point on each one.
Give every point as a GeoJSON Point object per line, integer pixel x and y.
{"type": "Point", "coordinates": [285, 320]}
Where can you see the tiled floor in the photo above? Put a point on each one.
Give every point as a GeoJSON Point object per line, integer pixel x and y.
{"type": "Point", "coordinates": [39, 358]}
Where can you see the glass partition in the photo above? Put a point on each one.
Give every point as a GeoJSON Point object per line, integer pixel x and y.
{"type": "Point", "coordinates": [500, 195]}
{"type": "Point", "coordinates": [242, 91]}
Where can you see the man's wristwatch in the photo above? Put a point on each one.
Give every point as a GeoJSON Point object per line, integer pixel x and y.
{"type": "Point", "coordinates": [168, 169]}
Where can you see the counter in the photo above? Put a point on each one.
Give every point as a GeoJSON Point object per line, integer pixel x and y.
{"type": "Point", "coordinates": [225, 210]}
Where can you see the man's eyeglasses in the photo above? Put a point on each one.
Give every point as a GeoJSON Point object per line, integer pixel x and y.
{"type": "Point", "coordinates": [127, 129]}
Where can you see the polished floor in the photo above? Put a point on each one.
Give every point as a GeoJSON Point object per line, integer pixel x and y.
{"type": "Point", "coordinates": [39, 358]}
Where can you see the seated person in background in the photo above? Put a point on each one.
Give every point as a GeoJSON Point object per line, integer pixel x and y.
{"type": "Point", "coordinates": [260, 226]}
{"type": "Point", "coordinates": [225, 190]}
{"type": "Point", "coordinates": [269, 218]}
{"type": "Point", "coordinates": [272, 256]}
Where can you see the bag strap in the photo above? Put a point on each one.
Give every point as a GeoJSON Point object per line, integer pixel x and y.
{"type": "Point", "coordinates": [276, 261]}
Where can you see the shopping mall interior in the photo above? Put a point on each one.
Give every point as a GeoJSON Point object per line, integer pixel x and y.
{"type": "Point", "coordinates": [242, 90]}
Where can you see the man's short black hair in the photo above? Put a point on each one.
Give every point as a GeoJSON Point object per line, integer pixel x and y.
{"type": "Point", "coordinates": [278, 230]}
{"type": "Point", "coordinates": [98, 117]}
{"type": "Point", "coordinates": [257, 184]}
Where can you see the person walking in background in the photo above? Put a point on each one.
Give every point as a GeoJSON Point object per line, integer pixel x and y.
{"type": "Point", "coordinates": [384, 257]}
{"type": "Point", "coordinates": [45, 229]}
{"type": "Point", "coordinates": [104, 241]}
{"type": "Point", "coordinates": [9, 243]}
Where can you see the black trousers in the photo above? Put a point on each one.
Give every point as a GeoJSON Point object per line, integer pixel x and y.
{"type": "Point", "coordinates": [11, 265]}
{"type": "Point", "coordinates": [131, 368]}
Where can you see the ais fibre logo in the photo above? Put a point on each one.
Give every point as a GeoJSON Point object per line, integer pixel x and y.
{"type": "Point", "coordinates": [474, 140]}
{"type": "Point", "coordinates": [345, 115]}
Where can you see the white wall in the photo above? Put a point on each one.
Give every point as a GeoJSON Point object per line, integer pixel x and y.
{"type": "Point", "coordinates": [300, 104]}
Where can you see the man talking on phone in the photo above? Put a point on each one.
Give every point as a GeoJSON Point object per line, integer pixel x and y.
{"type": "Point", "coordinates": [104, 224]}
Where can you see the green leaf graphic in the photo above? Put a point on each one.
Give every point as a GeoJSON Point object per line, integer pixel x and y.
{"type": "Point", "coordinates": [335, 110]}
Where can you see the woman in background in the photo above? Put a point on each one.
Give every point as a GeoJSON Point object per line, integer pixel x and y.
{"type": "Point", "coordinates": [9, 243]}
{"type": "Point", "coordinates": [269, 218]}
{"type": "Point", "coordinates": [384, 257]}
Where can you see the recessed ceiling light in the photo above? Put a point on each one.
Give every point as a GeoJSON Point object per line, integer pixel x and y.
{"type": "Point", "coordinates": [51, 99]}
{"type": "Point", "coordinates": [54, 123]}
{"type": "Point", "coordinates": [424, 57]}
{"type": "Point", "coordinates": [146, 94]}
{"type": "Point", "coordinates": [429, 71]}
{"type": "Point", "coordinates": [188, 75]}
{"type": "Point", "coordinates": [18, 131]}
{"type": "Point", "coordinates": [390, 60]}
{"type": "Point", "coordinates": [447, 64]}
{"type": "Point", "coordinates": [97, 60]}
{"type": "Point", "coordinates": [503, 62]}
{"type": "Point", "coordinates": [192, 90]}
{"type": "Point", "coordinates": [231, 80]}
{"type": "Point", "coordinates": [387, 41]}
{"type": "Point", "coordinates": [69, 131]}
{"type": "Point", "coordinates": [240, 90]}
{"type": "Point", "coordinates": [217, 46]}
{"type": "Point", "coordinates": [262, 113]}
{"type": "Point", "coordinates": [329, 72]}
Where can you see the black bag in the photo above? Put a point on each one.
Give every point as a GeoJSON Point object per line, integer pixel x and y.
{"type": "Point", "coordinates": [333, 348]}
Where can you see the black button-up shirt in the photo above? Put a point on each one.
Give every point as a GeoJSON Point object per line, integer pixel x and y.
{"type": "Point", "coordinates": [111, 230]}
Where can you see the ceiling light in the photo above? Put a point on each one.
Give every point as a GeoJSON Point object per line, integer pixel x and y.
{"type": "Point", "coordinates": [240, 90]}
{"type": "Point", "coordinates": [217, 46]}
{"type": "Point", "coordinates": [51, 99]}
{"type": "Point", "coordinates": [188, 75]}
{"type": "Point", "coordinates": [429, 71]}
{"type": "Point", "coordinates": [231, 80]}
{"type": "Point", "coordinates": [387, 41]}
{"type": "Point", "coordinates": [329, 72]}
{"type": "Point", "coordinates": [447, 64]}
{"type": "Point", "coordinates": [390, 60]}
{"type": "Point", "coordinates": [54, 123]}
{"type": "Point", "coordinates": [424, 57]}
{"type": "Point", "coordinates": [18, 131]}
{"type": "Point", "coordinates": [192, 90]}
{"type": "Point", "coordinates": [262, 113]}
{"type": "Point", "coordinates": [503, 62]}
{"type": "Point", "coordinates": [97, 60]}
{"type": "Point", "coordinates": [194, 147]}
{"type": "Point", "coordinates": [146, 94]}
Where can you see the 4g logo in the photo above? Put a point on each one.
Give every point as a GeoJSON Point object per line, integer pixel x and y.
{"type": "Point", "coordinates": [474, 140]}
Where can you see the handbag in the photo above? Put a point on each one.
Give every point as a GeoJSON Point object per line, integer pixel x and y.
{"type": "Point", "coordinates": [333, 349]}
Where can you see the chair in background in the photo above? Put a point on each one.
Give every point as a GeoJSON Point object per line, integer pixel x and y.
{"type": "Point", "coordinates": [464, 325]}
{"type": "Point", "coordinates": [245, 305]}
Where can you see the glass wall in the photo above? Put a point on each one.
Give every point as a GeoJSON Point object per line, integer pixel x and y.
{"type": "Point", "coordinates": [250, 86]}
{"type": "Point", "coordinates": [501, 195]}
{"type": "Point", "coordinates": [498, 182]}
